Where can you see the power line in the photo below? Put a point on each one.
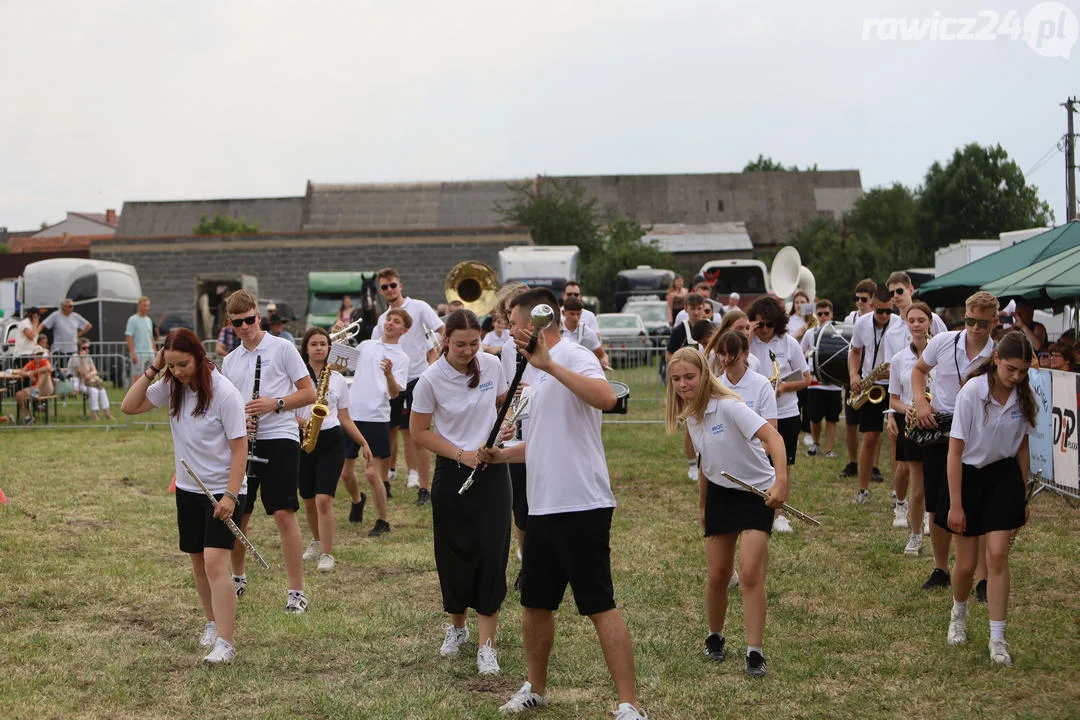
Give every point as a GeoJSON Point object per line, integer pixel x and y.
{"type": "Point", "coordinates": [1047, 156]}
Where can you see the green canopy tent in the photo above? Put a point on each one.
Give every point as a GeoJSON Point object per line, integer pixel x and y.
{"type": "Point", "coordinates": [1050, 282]}
{"type": "Point", "coordinates": [954, 287]}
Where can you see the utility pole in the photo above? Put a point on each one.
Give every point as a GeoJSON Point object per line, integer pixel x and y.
{"type": "Point", "coordinates": [1070, 161]}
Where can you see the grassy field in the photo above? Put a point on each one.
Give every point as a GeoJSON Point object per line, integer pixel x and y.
{"type": "Point", "coordinates": [99, 617]}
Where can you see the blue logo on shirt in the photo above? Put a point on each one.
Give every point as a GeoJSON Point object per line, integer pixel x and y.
{"type": "Point", "coordinates": [717, 429]}
{"type": "Point", "coordinates": [1016, 414]}
{"type": "Point", "coordinates": [489, 385]}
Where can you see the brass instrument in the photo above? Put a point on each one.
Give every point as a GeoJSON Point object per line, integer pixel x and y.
{"type": "Point", "coordinates": [474, 284]}
{"type": "Point", "coordinates": [345, 334]}
{"type": "Point", "coordinates": [774, 379]}
{"type": "Point", "coordinates": [868, 391]}
{"type": "Point", "coordinates": [319, 411]}
{"type": "Point", "coordinates": [909, 418]}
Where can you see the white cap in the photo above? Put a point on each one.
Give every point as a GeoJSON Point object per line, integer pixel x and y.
{"type": "Point", "coordinates": [734, 296]}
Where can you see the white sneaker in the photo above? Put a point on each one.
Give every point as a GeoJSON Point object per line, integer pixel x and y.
{"type": "Point", "coordinates": [326, 563]}
{"type": "Point", "coordinates": [862, 497]}
{"type": "Point", "coordinates": [523, 699]}
{"type": "Point", "coordinates": [999, 652]}
{"type": "Point", "coordinates": [314, 550]}
{"type": "Point", "coordinates": [239, 585]}
{"type": "Point", "coordinates": [812, 450]}
{"type": "Point", "coordinates": [209, 634]}
{"type": "Point", "coordinates": [899, 519]}
{"type": "Point", "coordinates": [414, 480]}
{"type": "Point", "coordinates": [830, 454]}
{"type": "Point", "coordinates": [455, 638]}
{"type": "Point", "coordinates": [626, 711]}
{"type": "Point", "coordinates": [781, 524]}
{"type": "Point", "coordinates": [486, 661]}
{"type": "Point", "coordinates": [297, 602]}
{"type": "Point", "coordinates": [807, 440]}
{"type": "Point", "coordinates": [957, 628]}
{"type": "Point", "coordinates": [914, 545]}
{"type": "Point", "coordinates": [926, 524]}
{"type": "Point", "coordinates": [693, 473]}
{"type": "Point", "coordinates": [391, 474]}
{"type": "Point", "coordinates": [733, 582]}
{"type": "Point", "coordinates": [222, 654]}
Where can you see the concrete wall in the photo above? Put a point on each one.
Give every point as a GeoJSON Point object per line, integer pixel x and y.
{"type": "Point", "coordinates": [167, 266]}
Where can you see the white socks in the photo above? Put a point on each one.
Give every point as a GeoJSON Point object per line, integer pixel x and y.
{"type": "Point", "coordinates": [997, 629]}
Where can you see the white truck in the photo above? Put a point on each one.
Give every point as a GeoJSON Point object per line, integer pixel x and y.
{"type": "Point", "coordinates": [540, 265]}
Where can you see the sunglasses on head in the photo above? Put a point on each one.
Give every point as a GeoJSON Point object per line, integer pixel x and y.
{"type": "Point", "coordinates": [898, 291]}
{"type": "Point", "coordinates": [973, 322]}
{"type": "Point", "coordinates": [883, 311]}
{"type": "Point", "coordinates": [388, 286]}
{"type": "Point", "coordinates": [249, 320]}
{"type": "Point", "coordinates": [862, 298]}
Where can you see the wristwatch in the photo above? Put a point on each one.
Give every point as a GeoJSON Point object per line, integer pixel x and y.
{"type": "Point", "coordinates": [280, 404]}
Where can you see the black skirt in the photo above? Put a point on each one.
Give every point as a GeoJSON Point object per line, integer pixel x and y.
{"type": "Point", "coordinates": [906, 450]}
{"type": "Point", "coordinates": [731, 511]}
{"type": "Point", "coordinates": [992, 497]}
{"type": "Point", "coordinates": [472, 536]}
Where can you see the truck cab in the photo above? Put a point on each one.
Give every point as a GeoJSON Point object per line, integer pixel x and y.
{"type": "Point", "coordinates": [642, 280]}
{"type": "Point", "coordinates": [549, 266]}
{"type": "Point", "coordinates": [326, 290]}
{"type": "Point", "coordinates": [749, 278]}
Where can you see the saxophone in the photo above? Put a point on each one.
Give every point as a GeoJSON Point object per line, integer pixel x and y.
{"type": "Point", "coordinates": [868, 391]}
{"type": "Point", "coordinates": [319, 411]}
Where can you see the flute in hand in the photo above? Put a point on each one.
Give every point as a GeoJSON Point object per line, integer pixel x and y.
{"type": "Point", "coordinates": [796, 513]}
{"type": "Point", "coordinates": [228, 523]}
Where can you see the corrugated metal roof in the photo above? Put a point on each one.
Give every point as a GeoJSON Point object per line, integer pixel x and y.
{"type": "Point", "coordinates": [710, 237]}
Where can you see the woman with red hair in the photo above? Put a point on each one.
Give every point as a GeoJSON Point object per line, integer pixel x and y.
{"type": "Point", "coordinates": [206, 415]}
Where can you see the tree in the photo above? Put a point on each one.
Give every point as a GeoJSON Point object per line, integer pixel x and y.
{"type": "Point", "coordinates": [622, 246]}
{"type": "Point", "coordinates": [767, 164]}
{"type": "Point", "coordinates": [556, 213]}
{"type": "Point", "coordinates": [980, 193]}
{"type": "Point", "coordinates": [886, 217]}
{"type": "Point", "coordinates": [225, 225]}
{"type": "Point", "coordinates": [839, 260]}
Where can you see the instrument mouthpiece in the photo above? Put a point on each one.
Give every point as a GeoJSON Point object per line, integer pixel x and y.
{"type": "Point", "coordinates": [542, 317]}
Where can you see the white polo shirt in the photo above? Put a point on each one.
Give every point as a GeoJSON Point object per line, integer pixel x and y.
{"type": "Point", "coordinates": [717, 318]}
{"type": "Point", "coordinates": [564, 454]}
{"type": "Point", "coordinates": [900, 375]}
{"type": "Point", "coordinates": [878, 344]}
{"type": "Point", "coordinates": [900, 336]}
{"type": "Point", "coordinates": [945, 353]}
{"type": "Point", "coordinates": [756, 391]}
{"type": "Point", "coordinates": [807, 347]}
{"type": "Point", "coordinates": [369, 397]}
{"type": "Point", "coordinates": [24, 347]}
{"type": "Point", "coordinates": [65, 330]}
{"type": "Point", "coordinates": [791, 360]}
{"type": "Point", "coordinates": [413, 342]}
{"type": "Point", "coordinates": [725, 439]}
{"type": "Point", "coordinates": [583, 335]}
{"type": "Point", "coordinates": [494, 339]}
{"type": "Point", "coordinates": [203, 440]}
{"type": "Point", "coordinates": [337, 398]}
{"type": "Point", "coordinates": [462, 415]}
{"type": "Point", "coordinates": [282, 367]}
{"type": "Point", "coordinates": [990, 432]}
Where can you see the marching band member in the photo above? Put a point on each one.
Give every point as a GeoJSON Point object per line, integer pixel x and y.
{"type": "Point", "coordinates": [987, 470]}
{"type": "Point", "coordinates": [864, 294]}
{"type": "Point", "coordinates": [206, 416]}
{"type": "Point", "coordinates": [770, 340]}
{"type": "Point", "coordinates": [284, 385]}
{"type": "Point", "coordinates": [570, 506]}
{"type": "Point", "coordinates": [462, 392]}
{"type": "Point", "coordinates": [952, 356]}
{"type": "Point", "coordinates": [733, 320]}
{"type": "Point", "coordinates": [578, 332]}
{"type": "Point", "coordinates": [320, 469]}
{"type": "Point", "coordinates": [730, 436]}
{"type": "Point", "coordinates": [908, 465]}
{"type": "Point", "coordinates": [822, 401]}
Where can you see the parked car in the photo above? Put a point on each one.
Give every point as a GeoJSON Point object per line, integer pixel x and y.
{"type": "Point", "coordinates": [625, 338]}
{"type": "Point", "coordinates": [174, 319]}
{"type": "Point", "coordinates": [653, 313]}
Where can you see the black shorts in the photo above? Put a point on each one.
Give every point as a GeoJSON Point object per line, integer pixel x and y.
{"type": "Point", "coordinates": [872, 418]}
{"type": "Point", "coordinates": [572, 548]}
{"type": "Point", "coordinates": [851, 415]}
{"type": "Point", "coordinates": [906, 450]}
{"type": "Point", "coordinates": [521, 500]}
{"type": "Point", "coordinates": [992, 496]}
{"type": "Point", "coordinates": [198, 527]}
{"type": "Point", "coordinates": [823, 405]}
{"type": "Point", "coordinates": [377, 435]}
{"type": "Point", "coordinates": [401, 406]}
{"type": "Point", "coordinates": [277, 478]}
{"type": "Point", "coordinates": [789, 429]}
{"type": "Point", "coordinates": [319, 471]}
{"type": "Point", "coordinates": [731, 511]}
{"type": "Point", "coordinates": [934, 482]}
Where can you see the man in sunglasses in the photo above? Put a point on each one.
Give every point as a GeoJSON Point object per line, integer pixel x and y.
{"type": "Point", "coordinates": [284, 385]}
{"type": "Point", "coordinates": [588, 317]}
{"type": "Point", "coordinates": [951, 355]}
{"type": "Point", "coordinates": [420, 352]}
{"type": "Point", "coordinates": [822, 401]}
{"type": "Point", "coordinates": [873, 342]}
{"type": "Point", "coordinates": [864, 293]}
{"type": "Point", "coordinates": [899, 284]}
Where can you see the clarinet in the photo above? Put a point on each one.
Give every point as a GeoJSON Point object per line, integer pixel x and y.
{"type": "Point", "coordinates": [252, 433]}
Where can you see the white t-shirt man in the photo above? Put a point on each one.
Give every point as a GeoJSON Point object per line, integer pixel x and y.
{"type": "Point", "coordinates": [564, 454]}
{"type": "Point", "coordinates": [282, 367]}
{"type": "Point", "coordinates": [791, 360]}
{"type": "Point", "coordinates": [740, 454]}
{"type": "Point", "coordinates": [878, 344]}
{"type": "Point", "coordinates": [337, 398]}
{"type": "Point", "coordinates": [203, 440]}
{"type": "Point", "coordinates": [66, 331]}
{"type": "Point", "coordinates": [756, 391]}
{"type": "Point", "coordinates": [414, 342]}
{"type": "Point", "coordinates": [945, 354]}
{"type": "Point", "coordinates": [369, 398]}
{"type": "Point", "coordinates": [582, 335]}
{"type": "Point", "coordinates": [683, 316]}
{"type": "Point", "coordinates": [24, 346]}
{"type": "Point", "coordinates": [994, 438]}
{"type": "Point", "coordinates": [462, 415]}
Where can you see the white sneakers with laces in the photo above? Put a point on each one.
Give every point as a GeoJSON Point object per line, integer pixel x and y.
{"type": "Point", "coordinates": [733, 581]}
{"type": "Point", "coordinates": [781, 524]}
{"type": "Point", "coordinates": [414, 479]}
{"type": "Point", "coordinates": [209, 634]}
{"type": "Point", "coordinates": [487, 663]}
{"type": "Point", "coordinates": [297, 602]}
{"type": "Point", "coordinates": [999, 652]}
{"type": "Point", "coordinates": [523, 699]}
{"type": "Point", "coordinates": [326, 562]}
{"type": "Point", "coordinates": [900, 510]}
{"type": "Point", "coordinates": [455, 638]}
{"type": "Point", "coordinates": [222, 654]}
{"type": "Point", "coordinates": [314, 550]}
{"type": "Point", "coordinates": [862, 497]}
{"type": "Point", "coordinates": [914, 545]}
{"type": "Point", "coordinates": [626, 711]}
{"type": "Point", "coordinates": [957, 628]}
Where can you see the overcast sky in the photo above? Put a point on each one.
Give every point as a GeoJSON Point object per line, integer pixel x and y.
{"type": "Point", "coordinates": [143, 100]}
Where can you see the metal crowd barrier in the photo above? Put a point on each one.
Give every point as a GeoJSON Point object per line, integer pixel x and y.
{"type": "Point", "coordinates": [643, 370]}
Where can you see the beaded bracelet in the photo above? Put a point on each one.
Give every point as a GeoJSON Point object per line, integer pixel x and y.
{"type": "Point", "coordinates": [458, 458]}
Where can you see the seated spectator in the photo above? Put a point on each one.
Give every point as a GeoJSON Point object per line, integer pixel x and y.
{"type": "Point", "coordinates": [38, 371]}
{"type": "Point", "coordinates": [1063, 357]}
{"type": "Point", "coordinates": [88, 382]}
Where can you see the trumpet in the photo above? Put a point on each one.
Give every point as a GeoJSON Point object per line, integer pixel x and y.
{"type": "Point", "coordinates": [432, 338]}
{"type": "Point", "coordinates": [868, 391]}
{"type": "Point", "coordinates": [346, 333]}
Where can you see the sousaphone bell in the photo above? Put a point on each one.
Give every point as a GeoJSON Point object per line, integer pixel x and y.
{"type": "Point", "coordinates": [474, 284]}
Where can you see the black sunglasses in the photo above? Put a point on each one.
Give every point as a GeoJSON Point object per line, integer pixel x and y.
{"type": "Point", "coordinates": [387, 286]}
{"type": "Point", "coordinates": [570, 294]}
{"type": "Point", "coordinates": [972, 322]}
{"type": "Point", "coordinates": [249, 320]}
{"type": "Point", "coordinates": [824, 314]}
{"type": "Point", "coordinates": [898, 291]}
{"type": "Point", "coordinates": [883, 311]}
{"type": "Point", "coordinates": [862, 298]}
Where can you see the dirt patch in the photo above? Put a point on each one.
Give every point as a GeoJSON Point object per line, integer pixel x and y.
{"type": "Point", "coordinates": [92, 523]}
{"type": "Point", "coordinates": [495, 685]}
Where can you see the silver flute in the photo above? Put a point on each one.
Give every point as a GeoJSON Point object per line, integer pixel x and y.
{"type": "Point", "coordinates": [518, 407]}
{"type": "Point", "coordinates": [229, 523]}
{"type": "Point", "coordinates": [801, 515]}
